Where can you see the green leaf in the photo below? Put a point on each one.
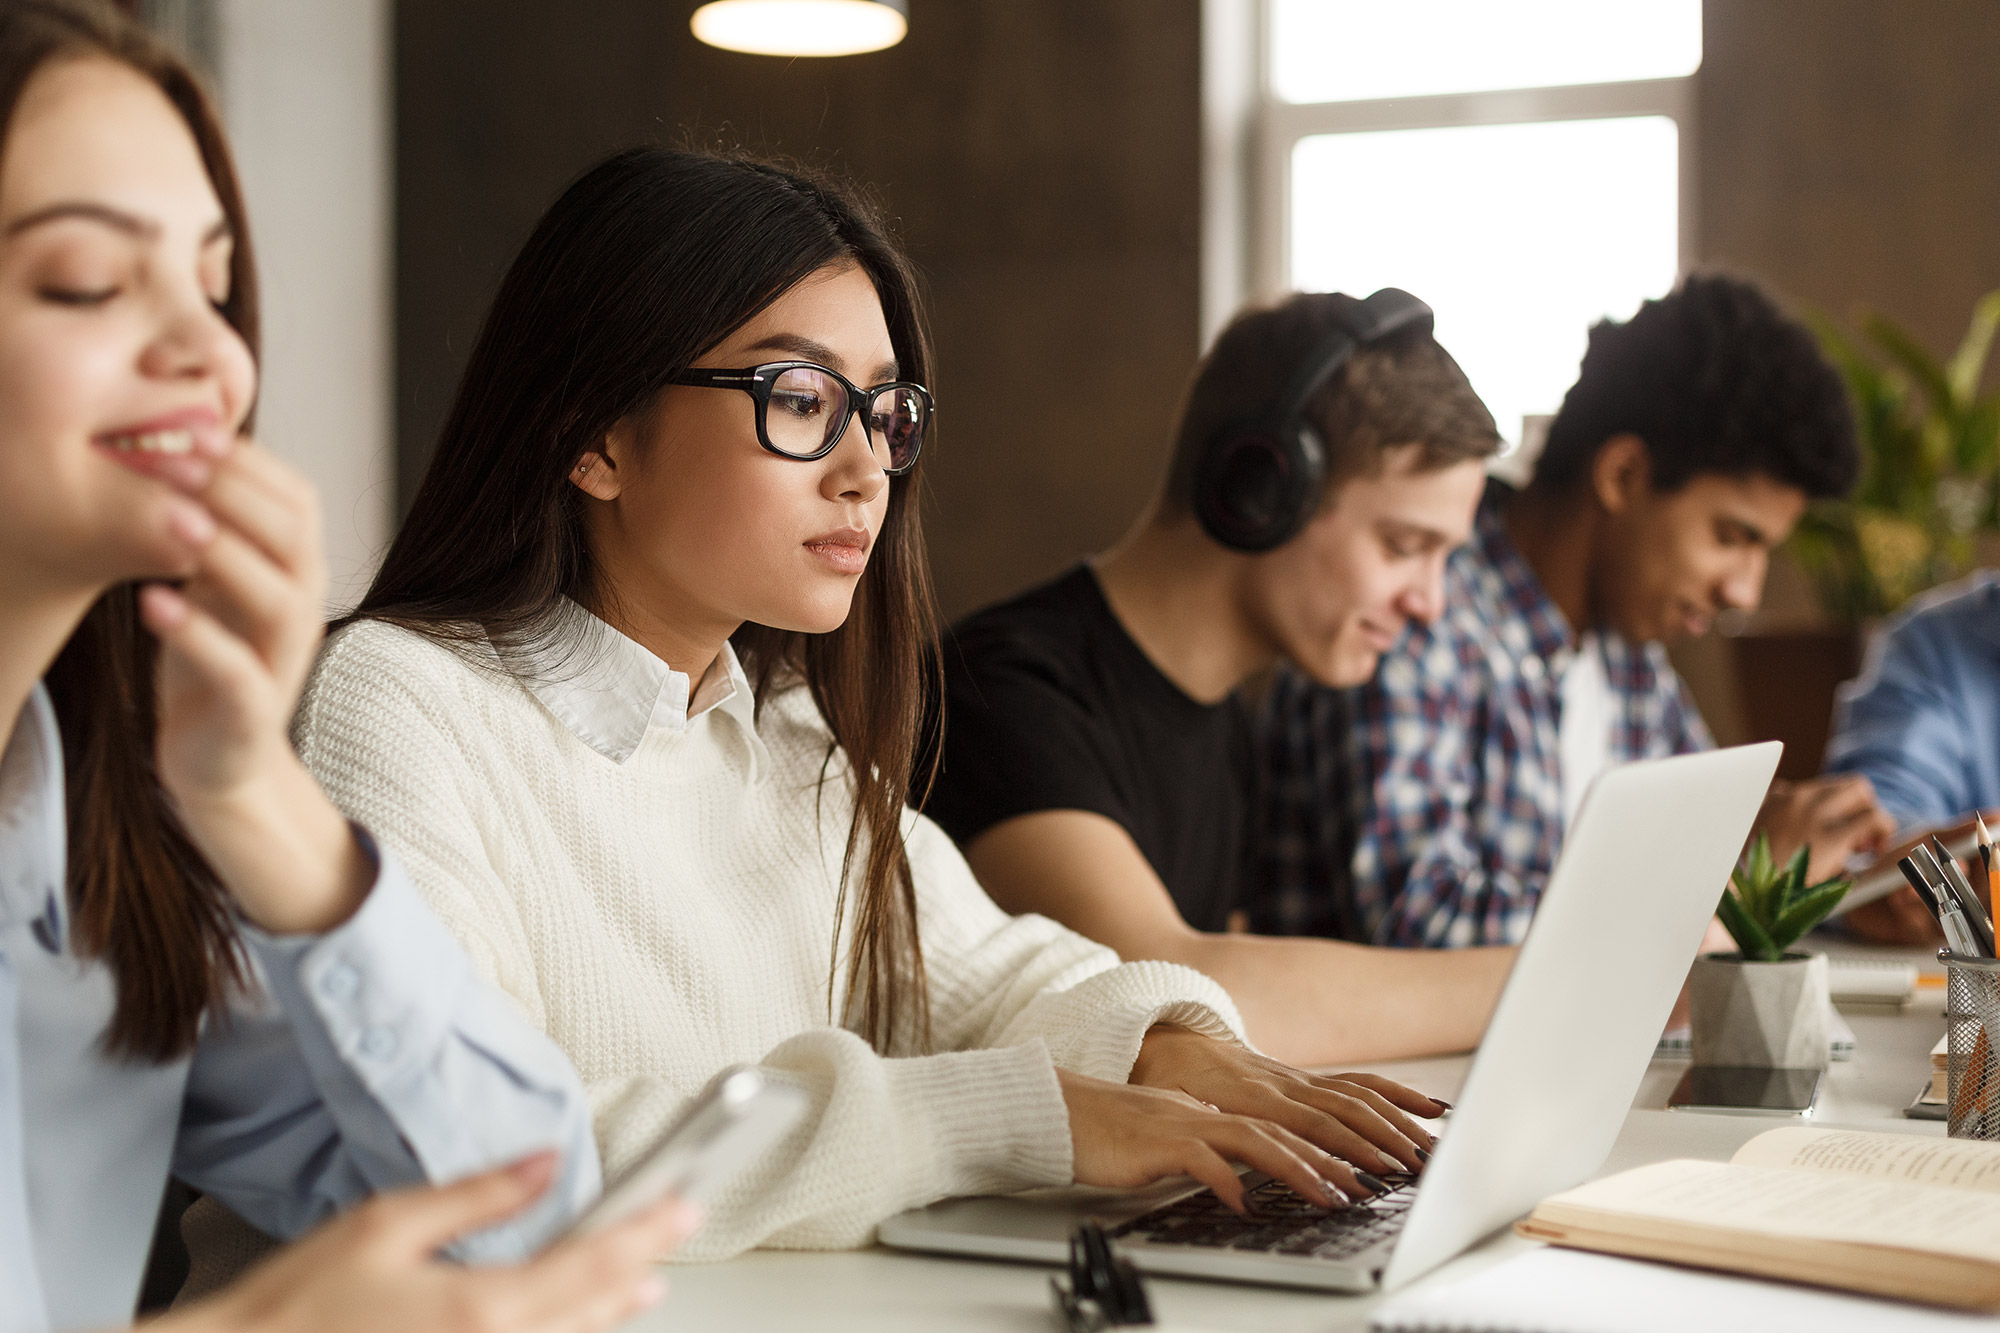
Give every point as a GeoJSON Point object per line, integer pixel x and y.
{"type": "Point", "coordinates": [1968, 364]}
{"type": "Point", "coordinates": [1750, 937]}
{"type": "Point", "coordinates": [1759, 871]}
{"type": "Point", "coordinates": [1791, 885]}
{"type": "Point", "coordinates": [1861, 374]}
{"type": "Point", "coordinates": [1811, 909]}
{"type": "Point", "coordinates": [1979, 439]}
{"type": "Point", "coordinates": [1915, 359]}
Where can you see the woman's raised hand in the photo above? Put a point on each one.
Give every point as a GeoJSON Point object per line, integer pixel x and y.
{"type": "Point", "coordinates": [236, 641]}
{"type": "Point", "coordinates": [375, 1268]}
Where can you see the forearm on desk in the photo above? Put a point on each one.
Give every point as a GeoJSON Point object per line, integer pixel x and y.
{"type": "Point", "coordinates": [1315, 1002]}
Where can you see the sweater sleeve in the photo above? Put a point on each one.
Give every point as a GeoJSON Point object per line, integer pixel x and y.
{"type": "Point", "coordinates": [997, 980]}
{"type": "Point", "coordinates": [1012, 998]}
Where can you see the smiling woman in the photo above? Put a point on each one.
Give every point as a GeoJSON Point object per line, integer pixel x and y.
{"type": "Point", "coordinates": [204, 969]}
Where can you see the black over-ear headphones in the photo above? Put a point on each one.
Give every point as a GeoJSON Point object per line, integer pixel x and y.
{"type": "Point", "coordinates": [1257, 482]}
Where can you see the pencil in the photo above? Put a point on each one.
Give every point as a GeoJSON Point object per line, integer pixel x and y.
{"type": "Point", "coordinates": [1985, 844]}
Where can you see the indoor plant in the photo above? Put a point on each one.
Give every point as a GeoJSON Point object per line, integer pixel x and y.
{"type": "Point", "coordinates": [1765, 1005]}
{"type": "Point", "coordinates": [1927, 508]}
{"type": "Point", "coordinates": [1930, 446]}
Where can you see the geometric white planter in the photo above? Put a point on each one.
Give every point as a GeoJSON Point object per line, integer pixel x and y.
{"type": "Point", "coordinates": [1765, 1015]}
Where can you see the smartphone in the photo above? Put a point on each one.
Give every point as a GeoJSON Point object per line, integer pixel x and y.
{"type": "Point", "coordinates": [732, 1122]}
{"type": "Point", "coordinates": [1730, 1090]}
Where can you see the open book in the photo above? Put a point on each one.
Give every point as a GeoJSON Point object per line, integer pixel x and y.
{"type": "Point", "coordinates": [1891, 1214]}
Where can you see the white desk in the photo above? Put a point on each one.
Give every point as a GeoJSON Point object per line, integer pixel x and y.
{"type": "Point", "coordinates": [883, 1291]}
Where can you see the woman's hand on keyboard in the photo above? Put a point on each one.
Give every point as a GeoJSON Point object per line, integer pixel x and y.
{"type": "Point", "coordinates": [1362, 1118]}
{"type": "Point", "coordinates": [1126, 1136]}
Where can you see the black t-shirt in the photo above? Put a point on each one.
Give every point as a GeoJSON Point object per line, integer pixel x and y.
{"type": "Point", "coordinates": [1050, 705]}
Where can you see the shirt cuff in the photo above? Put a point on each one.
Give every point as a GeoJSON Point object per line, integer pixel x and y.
{"type": "Point", "coordinates": [384, 984]}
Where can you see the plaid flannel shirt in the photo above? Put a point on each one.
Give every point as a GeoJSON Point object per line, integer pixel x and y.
{"type": "Point", "coordinates": [1425, 807]}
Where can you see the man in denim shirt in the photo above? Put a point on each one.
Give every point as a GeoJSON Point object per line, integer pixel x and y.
{"type": "Point", "coordinates": [1427, 807]}
{"type": "Point", "coordinates": [1923, 721]}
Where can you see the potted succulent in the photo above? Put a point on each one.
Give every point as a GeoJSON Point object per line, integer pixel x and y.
{"type": "Point", "coordinates": [1765, 1005]}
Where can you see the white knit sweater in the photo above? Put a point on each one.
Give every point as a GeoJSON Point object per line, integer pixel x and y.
{"type": "Point", "coordinates": [657, 891]}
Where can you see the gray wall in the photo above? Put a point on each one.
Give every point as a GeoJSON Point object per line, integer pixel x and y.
{"type": "Point", "coordinates": [305, 90]}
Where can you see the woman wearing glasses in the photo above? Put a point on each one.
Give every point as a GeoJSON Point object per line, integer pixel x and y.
{"type": "Point", "coordinates": [638, 690]}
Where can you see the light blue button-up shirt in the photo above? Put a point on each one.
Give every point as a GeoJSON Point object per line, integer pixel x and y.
{"type": "Point", "coordinates": [370, 1057]}
{"type": "Point", "coordinates": [1923, 720]}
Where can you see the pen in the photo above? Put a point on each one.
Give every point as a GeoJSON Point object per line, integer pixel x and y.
{"type": "Point", "coordinates": [1978, 924]}
{"type": "Point", "coordinates": [1924, 891]}
{"type": "Point", "coordinates": [1943, 904]}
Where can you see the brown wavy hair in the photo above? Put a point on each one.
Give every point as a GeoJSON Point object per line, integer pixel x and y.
{"type": "Point", "coordinates": [646, 262]}
{"type": "Point", "coordinates": [141, 897]}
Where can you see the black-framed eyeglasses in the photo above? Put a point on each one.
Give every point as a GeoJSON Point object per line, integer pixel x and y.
{"type": "Point", "coordinates": [803, 409]}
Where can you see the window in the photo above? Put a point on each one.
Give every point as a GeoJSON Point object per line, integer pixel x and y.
{"type": "Point", "coordinates": [1522, 167]}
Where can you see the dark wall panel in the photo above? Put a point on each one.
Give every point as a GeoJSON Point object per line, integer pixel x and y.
{"type": "Point", "coordinates": [1040, 156]}
{"type": "Point", "coordinates": [1850, 153]}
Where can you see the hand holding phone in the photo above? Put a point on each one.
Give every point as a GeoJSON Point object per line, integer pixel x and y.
{"type": "Point", "coordinates": [729, 1125]}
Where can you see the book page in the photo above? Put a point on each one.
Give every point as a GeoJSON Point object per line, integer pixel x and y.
{"type": "Point", "coordinates": [1964, 1164]}
{"type": "Point", "coordinates": [1569, 1291]}
{"type": "Point", "coordinates": [1814, 1205]}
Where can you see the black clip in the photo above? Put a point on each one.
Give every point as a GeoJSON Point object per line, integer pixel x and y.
{"type": "Point", "coordinates": [1104, 1291]}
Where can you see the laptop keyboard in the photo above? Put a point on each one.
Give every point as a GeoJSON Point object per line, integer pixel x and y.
{"type": "Point", "coordinates": [1279, 1222]}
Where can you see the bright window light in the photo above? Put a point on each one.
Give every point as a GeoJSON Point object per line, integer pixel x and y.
{"type": "Point", "coordinates": [1351, 50]}
{"type": "Point", "coordinates": [1519, 236]}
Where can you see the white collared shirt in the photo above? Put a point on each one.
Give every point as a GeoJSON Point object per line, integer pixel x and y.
{"type": "Point", "coordinates": [1583, 731]}
{"type": "Point", "coordinates": [611, 690]}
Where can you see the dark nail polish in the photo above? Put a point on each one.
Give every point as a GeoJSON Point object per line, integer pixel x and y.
{"type": "Point", "coordinates": [1423, 1155]}
{"type": "Point", "coordinates": [1441, 1102]}
{"type": "Point", "coordinates": [1373, 1184]}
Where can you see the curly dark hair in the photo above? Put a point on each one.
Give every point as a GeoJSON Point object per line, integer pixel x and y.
{"type": "Point", "coordinates": [1714, 378]}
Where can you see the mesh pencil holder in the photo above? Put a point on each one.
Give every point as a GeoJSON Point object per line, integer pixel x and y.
{"type": "Point", "coordinates": [1972, 1011]}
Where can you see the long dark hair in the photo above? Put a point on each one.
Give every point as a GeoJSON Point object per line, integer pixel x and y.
{"type": "Point", "coordinates": [649, 260]}
{"type": "Point", "coordinates": [141, 897]}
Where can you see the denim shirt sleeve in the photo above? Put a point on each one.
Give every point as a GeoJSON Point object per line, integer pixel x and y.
{"type": "Point", "coordinates": [374, 1058]}
{"type": "Point", "coordinates": [1905, 724]}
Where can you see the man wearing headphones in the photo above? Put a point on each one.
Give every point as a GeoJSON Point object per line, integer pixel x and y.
{"type": "Point", "coordinates": [1427, 806]}
{"type": "Point", "coordinates": [1097, 766]}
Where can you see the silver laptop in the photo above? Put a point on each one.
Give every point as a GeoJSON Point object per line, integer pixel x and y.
{"type": "Point", "coordinates": [1620, 921]}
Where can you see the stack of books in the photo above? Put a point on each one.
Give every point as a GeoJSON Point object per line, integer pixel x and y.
{"type": "Point", "coordinates": [1930, 1103]}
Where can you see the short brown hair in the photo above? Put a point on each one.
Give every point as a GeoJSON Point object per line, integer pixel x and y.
{"type": "Point", "coordinates": [1405, 389]}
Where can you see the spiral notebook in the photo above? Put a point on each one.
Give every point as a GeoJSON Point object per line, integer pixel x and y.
{"type": "Point", "coordinates": [1551, 1290]}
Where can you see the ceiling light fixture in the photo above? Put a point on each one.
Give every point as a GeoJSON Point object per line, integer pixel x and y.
{"type": "Point", "coordinates": [802, 27]}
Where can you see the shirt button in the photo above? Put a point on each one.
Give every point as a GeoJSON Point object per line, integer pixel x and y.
{"type": "Point", "coordinates": [378, 1043]}
{"type": "Point", "coordinates": [1531, 668]}
{"type": "Point", "coordinates": [340, 982]}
